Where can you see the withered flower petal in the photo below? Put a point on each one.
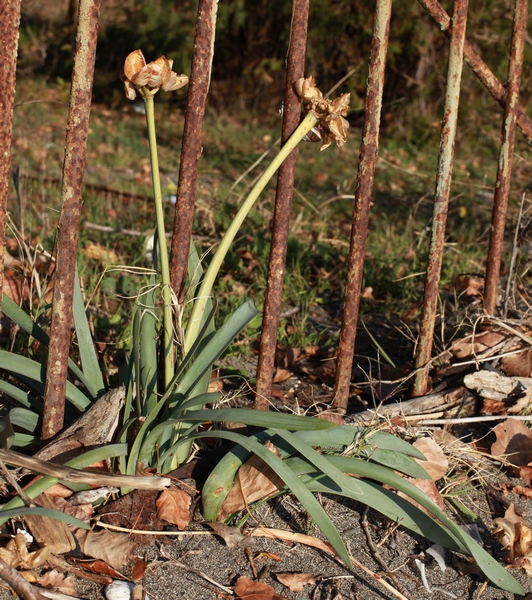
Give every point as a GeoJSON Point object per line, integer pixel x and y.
{"type": "Point", "coordinates": [148, 78]}
{"type": "Point", "coordinates": [340, 105]}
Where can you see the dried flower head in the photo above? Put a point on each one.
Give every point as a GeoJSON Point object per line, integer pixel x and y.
{"type": "Point", "coordinates": [149, 78]}
{"type": "Point", "coordinates": [330, 113]}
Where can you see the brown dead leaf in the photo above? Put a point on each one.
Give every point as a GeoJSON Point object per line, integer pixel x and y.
{"type": "Point", "coordinates": [173, 505]}
{"type": "Point", "coordinates": [523, 491]}
{"type": "Point", "coordinates": [59, 490]}
{"type": "Point", "coordinates": [281, 375]}
{"type": "Point", "coordinates": [468, 286]}
{"type": "Point", "coordinates": [429, 488]}
{"type": "Point", "coordinates": [436, 464]}
{"type": "Point", "coordinates": [472, 345]}
{"type": "Point", "coordinates": [513, 442]}
{"type": "Point", "coordinates": [518, 365]}
{"type": "Point", "coordinates": [515, 535]}
{"type": "Point", "coordinates": [16, 554]}
{"type": "Point", "coordinates": [232, 536]}
{"type": "Point", "coordinates": [295, 582]}
{"type": "Point", "coordinates": [104, 571]}
{"type": "Point", "coordinates": [55, 579]}
{"type": "Point", "coordinates": [255, 480]}
{"type": "Point", "coordinates": [112, 547]}
{"type": "Point", "coordinates": [332, 417]}
{"type": "Point", "coordinates": [246, 589]}
{"type": "Point", "coordinates": [493, 407]}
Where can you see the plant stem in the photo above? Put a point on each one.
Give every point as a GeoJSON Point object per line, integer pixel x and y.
{"type": "Point", "coordinates": [210, 275]}
{"type": "Point", "coordinates": [168, 348]}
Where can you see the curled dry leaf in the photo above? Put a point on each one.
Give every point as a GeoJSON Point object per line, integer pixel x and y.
{"type": "Point", "coordinates": [295, 582]}
{"type": "Point", "coordinates": [173, 505]}
{"type": "Point", "coordinates": [436, 464]}
{"type": "Point", "coordinates": [16, 554]}
{"type": "Point", "coordinates": [514, 443]}
{"type": "Point", "coordinates": [246, 589]}
{"type": "Point", "coordinates": [232, 536]}
{"type": "Point", "coordinates": [515, 535]}
{"type": "Point", "coordinates": [255, 480]}
{"type": "Point", "coordinates": [113, 548]}
{"type": "Point", "coordinates": [55, 579]}
{"type": "Point", "coordinates": [477, 343]}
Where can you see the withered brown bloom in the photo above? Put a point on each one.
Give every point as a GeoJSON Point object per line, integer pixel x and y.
{"type": "Point", "coordinates": [330, 113]}
{"type": "Point", "coordinates": [149, 78]}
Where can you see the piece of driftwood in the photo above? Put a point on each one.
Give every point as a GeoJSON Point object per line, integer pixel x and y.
{"type": "Point", "coordinates": [440, 401]}
{"type": "Point", "coordinates": [50, 533]}
{"type": "Point", "coordinates": [93, 428]}
{"type": "Point", "coordinates": [77, 476]}
{"type": "Point", "coordinates": [493, 385]}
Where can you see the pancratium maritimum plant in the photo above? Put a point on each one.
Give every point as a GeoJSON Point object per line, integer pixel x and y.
{"type": "Point", "coordinates": [147, 79]}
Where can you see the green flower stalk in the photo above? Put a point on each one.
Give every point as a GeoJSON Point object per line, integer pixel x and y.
{"type": "Point", "coordinates": [147, 79]}
{"type": "Point", "coordinates": [324, 116]}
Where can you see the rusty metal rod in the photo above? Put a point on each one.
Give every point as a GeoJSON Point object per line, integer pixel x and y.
{"type": "Point", "coordinates": [364, 184]}
{"type": "Point", "coordinates": [441, 196]}
{"type": "Point", "coordinates": [200, 77]}
{"type": "Point", "coordinates": [295, 69]}
{"type": "Point", "coordinates": [69, 220]}
{"type": "Point", "coordinates": [504, 170]}
{"type": "Point", "coordinates": [9, 24]}
{"type": "Point", "coordinates": [478, 66]}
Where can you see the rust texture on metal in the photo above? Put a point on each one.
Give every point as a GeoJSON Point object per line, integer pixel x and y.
{"type": "Point", "coordinates": [441, 196]}
{"type": "Point", "coordinates": [478, 66]}
{"type": "Point", "coordinates": [504, 170]}
{"type": "Point", "coordinates": [364, 185]}
{"type": "Point", "coordinates": [295, 69]}
{"type": "Point", "coordinates": [69, 220]}
{"type": "Point", "coordinates": [200, 76]}
{"type": "Point", "coordinates": [9, 24]}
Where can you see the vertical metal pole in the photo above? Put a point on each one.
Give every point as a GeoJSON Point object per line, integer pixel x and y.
{"type": "Point", "coordinates": [9, 24]}
{"type": "Point", "coordinates": [283, 206]}
{"type": "Point", "coordinates": [478, 66]}
{"type": "Point", "coordinates": [359, 228]}
{"type": "Point", "coordinates": [441, 196]}
{"type": "Point", "coordinates": [200, 77]}
{"type": "Point", "coordinates": [504, 170]}
{"type": "Point", "coordinates": [71, 200]}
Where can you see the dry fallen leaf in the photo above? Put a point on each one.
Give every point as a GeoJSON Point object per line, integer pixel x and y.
{"type": "Point", "coordinates": [296, 538]}
{"type": "Point", "coordinates": [514, 443]}
{"type": "Point", "coordinates": [55, 579]}
{"type": "Point", "coordinates": [246, 589]}
{"type": "Point", "coordinates": [475, 344]}
{"type": "Point", "coordinates": [515, 535]}
{"type": "Point", "coordinates": [112, 547]}
{"type": "Point", "coordinates": [232, 536]}
{"type": "Point", "coordinates": [173, 505]}
{"type": "Point", "coordinates": [100, 253]}
{"type": "Point", "coordinates": [281, 375]}
{"type": "Point", "coordinates": [295, 582]}
{"type": "Point", "coordinates": [16, 554]}
{"type": "Point", "coordinates": [436, 464]}
{"type": "Point", "coordinates": [429, 488]}
{"type": "Point", "coordinates": [255, 480]}
{"type": "Point", "coordinates": [518, 365]}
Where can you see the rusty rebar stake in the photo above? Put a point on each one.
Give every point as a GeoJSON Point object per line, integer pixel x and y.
{"type": "Point", "coordinates": [68, 231]}
{"type": "Point", "coordinates": [295, 69]}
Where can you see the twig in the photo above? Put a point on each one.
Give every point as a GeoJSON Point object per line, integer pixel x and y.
{"type": "Point", "coordinates": [9, 476]}
{"type": "Point", "coordinates": [364, 523]}
{"type": "Point", "coordinates": [461, 420]}
{"type": "Point", "coordinates": [18, 583]}
{"type": "Point", "coordinates": [43, 467]}
{"type": "Point", "coordinates": [196, 572]}
{"type": "Point", "coordinates": [146, 532]}
{"type": "Point", "coordinates": [517, 333]}
{"type": "Point", "coordinates": [513, 257]}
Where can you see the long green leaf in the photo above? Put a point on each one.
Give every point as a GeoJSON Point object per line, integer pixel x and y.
{"type": "Point", "coordinates": [27, 419]}
{"type": "Point", "coordinates": [89, 359]}
{"type": "Point", "coordinates": [27, 324]}
{"type": "Point", "coordinates": [22, 397]}
{"type": "Point", "coordinates": [302, 493]}
{"type": "Point", "coordinates": [43, 512]}
{"type": "Point", "coordinates": [261, 418]}
{"type": "Point", "coordinates": [32, 369]}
